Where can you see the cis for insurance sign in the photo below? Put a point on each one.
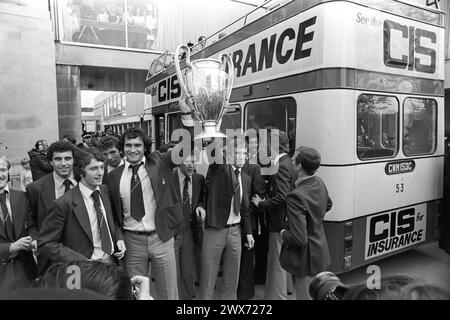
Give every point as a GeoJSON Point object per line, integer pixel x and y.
{"type": "Point", "coordinates": [393, 230]}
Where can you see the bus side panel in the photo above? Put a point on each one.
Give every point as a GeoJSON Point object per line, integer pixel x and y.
{"type": "Point", "coordinates": [349, 242]}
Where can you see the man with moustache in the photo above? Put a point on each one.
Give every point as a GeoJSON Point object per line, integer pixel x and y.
{"type": "Point", "coordinates": [17, 267]}
{"type": "Point", "coordinates": [80, 224]}
{"type": "Point", "coordinates": [109, 147]}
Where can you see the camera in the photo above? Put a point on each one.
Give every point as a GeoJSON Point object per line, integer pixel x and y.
{"type": "Point", "coordinates": [327, 286]}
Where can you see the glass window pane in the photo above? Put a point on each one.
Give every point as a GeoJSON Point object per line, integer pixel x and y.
{"type": "Point", "coordinates": [377, 126]}
{"type": "Point", "coordinates": [419, 120]}
{"type": "Point", "coordinates": [174, 122]}
{"type": "Point", "coordinates": [273, 114]}
{"type": "Point", "coordinates": [231, 119]}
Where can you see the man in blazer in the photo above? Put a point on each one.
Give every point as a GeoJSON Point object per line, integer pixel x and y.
{"type": "Point", "coordinates": [191, 186]}
{"type": "Point", "coordinates": [17, 267]}
{"type": "Point", "coordinates": [80, 224]}
{"type": "Point", "coordinates": [280, 183]}
{"type": "Point", "coordinates": [147, 206]}
{"type": "Point", "coordinates": [306, 206]}
{"type": "Point", "coordinates": [44, 191]}
{"type": "Point", "coordinates": [227, 194]}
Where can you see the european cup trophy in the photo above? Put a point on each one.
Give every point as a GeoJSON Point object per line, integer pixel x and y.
{"type": "Point", "coordinates": [208, 84]}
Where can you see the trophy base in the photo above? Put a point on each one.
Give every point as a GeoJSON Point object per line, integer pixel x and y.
{"type": "Point", "coordinates": [209, 131]}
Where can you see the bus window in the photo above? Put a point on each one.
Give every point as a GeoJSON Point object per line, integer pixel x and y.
{"type": "Point", "coordinates": [377, 126]}
{"type": "Point", "coordinates": [231, 119]}
{"type": "Point", "coordinates": [173, 122]}
{"type": "Point", "coordinates": [419, 121]}
{"type": "Point", "coordinates": [273, 114]}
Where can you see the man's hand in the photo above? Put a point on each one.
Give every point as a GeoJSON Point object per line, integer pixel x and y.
{"type": "Point", "coordinates": [200, 212]}
{"type": "Point", "coordinates": [141, 286]}
{"type": "Point", "coordinates": [34, 245]}
{"type": "Point", "coordinates": [186, 112]}
{"type": "Point", "coordinates": [250, 241]}
{"type": "Point", "coordinates": [281, 233]}
{"type": "Point", "coordinates": [122, 248]}
{"type": "Point", "coordinates": [256, 200]}
{"type": "Point", "coordinates": [21, 244]}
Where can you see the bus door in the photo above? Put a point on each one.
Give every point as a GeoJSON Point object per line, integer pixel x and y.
{"type": "Point", "coordinates": [159, 138]}
{"type": "Point", "coordinates": [174, 122]}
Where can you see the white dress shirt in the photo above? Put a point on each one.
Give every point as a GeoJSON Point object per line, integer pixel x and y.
{"type": "Point", "coordinates": [235, 217]}
{"type": "Point", "coordinates": [148, 221]}
{"type": "Point", "coordinates": [59, 184]}
{"type": "Point", "coordinates": [8, 205]}
{"type": "Point", "coordinates": [96, 235]}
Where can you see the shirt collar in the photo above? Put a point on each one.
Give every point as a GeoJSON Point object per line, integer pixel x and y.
{"type": "Point", "coordinates": [60, 181]}
{"type": "Point", "coordinates": [234, 168]}
{"type": "Point", "coordinates": [300, 180]}
{"type": "Point", "coordinates": [182, 176]}
{"type": "Point", "coordinates": [127, 164]}
{"type": "Point", "coordinates": [85, 191]}
{"type": "Point", "coordinates": [6, 189]}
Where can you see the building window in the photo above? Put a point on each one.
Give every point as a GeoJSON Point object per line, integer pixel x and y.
{"type": "Point", "coordinates": [377, 126]}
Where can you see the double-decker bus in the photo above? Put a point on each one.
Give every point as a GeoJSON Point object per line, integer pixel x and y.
{"type": "Point", "coordinates": [361, 81]}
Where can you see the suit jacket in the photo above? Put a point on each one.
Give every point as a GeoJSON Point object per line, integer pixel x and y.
{"type": "Point", "coordinates": [258, 187]}
{"type": "Point", "coordinates": [279, 186]}
{"type": "Point", "coordinates": [218, 195]}
{"type": "Point", "coordinates": [169, 210]}
{"type": "Point", "coordinates": [306, 206]}
{"type": "Point", "coordinates": [21, 214]}
{"type": "Point", "coordinates": [198, 182]}
{"type": "Point", "coordinates": [66, 234]}
{"type": "Point", "coordinates": [40, 194]}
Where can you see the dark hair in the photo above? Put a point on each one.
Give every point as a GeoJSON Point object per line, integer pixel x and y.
{"type": "Point", "coordinates": [69, 138]}
{"type": "Point", "coordinates": [24, 161]}
{"type": "Point", "coordinates": [309, 158]}
{"type": "Point", "coordinates": [104, 278]}
{"type": "Point", "coordinates": [38, 143]}
{"type": "Point", "coordinates": [82, 158]}
{"type": "Point", "coordinates": [133, 133]}
{"type": "Point", "coordinates": [390, 289]}
{"type": "Point", "coordinates": [59, 146]}
{"type": "Point", "coordinates": [107, 143]}
{"type": "Point", "coordinates": [166, 147]}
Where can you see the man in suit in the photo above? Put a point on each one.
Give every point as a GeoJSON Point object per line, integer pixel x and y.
{"type": "Point", "coordinates": [80, 224]}
{"type": "Point", "coordinates": [191, 186]}
{"type": "Point", "coordinates": [306, 206]}
{"type": "Point", "coordinates": [147, 205]}
{"type": "Point", "coordinates": [17, 267]}
{"type": "Point", "coordinates": [43, 192]}
{"type": "Point", "coordinates": [246, 287]}
{"type": "Point", "coordinates": [280, 183]}
{"type": "Point", "coordinates": [109, 147]}
{"type": "Point", "coordinates": [227, 194]}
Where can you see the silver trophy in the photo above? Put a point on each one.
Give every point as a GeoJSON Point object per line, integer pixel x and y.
{"type": "Point", "coordinates": [208, 85]}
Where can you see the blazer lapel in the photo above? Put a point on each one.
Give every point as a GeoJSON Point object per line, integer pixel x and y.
{"type": "Point", "coordinates": [108, 212]}
{"type": "Point", "coordinates": [2, 229]}
{"type": "Point", "coordinates": [17, 214]}
{"type": "Point", "coordinates": [48, 190]}
{"type": "Point", "coordinates": [152, 172]}
{"type": "Point", "coordinates": [115, 190]}
{"type": "Point", "coordinates": [195, 189]}
{"type": "Point", "coordinates": [81, 212]}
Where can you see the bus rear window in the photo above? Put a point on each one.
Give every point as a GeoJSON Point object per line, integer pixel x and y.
{"type": "Point", "coordinates": [377, 126]}
{"type": "Point", "coordinates": [419, 121]}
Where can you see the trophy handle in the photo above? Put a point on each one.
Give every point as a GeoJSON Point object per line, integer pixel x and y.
{"type": "Point", "coordinates": [180, 49]}
{"type": "Point", "coordinates": [226, 61]}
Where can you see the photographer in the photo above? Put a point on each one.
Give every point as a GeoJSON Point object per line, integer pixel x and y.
{"type": "Point", "coordinates": [39, 164]}
{"type": "Point", "coordinates": [305, 249]}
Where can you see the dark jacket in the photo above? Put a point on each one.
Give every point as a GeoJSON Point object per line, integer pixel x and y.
{"type": "Point", "coordinates": [24, 270]}
{"type": "Point", "coordinates": [218, 195]}
{"type": "Point", "coordinates": [39, 164]}
{"type": "Point", "coordinates": [306, 206]}
{"type": "Point", "coordinates": [66, 233]}
{"type": "Point", "coordinates": [169, 211]}
{"type": "Point", "coordinates": [258, 187]}
{"type": "Point", "coordinates": [279, 186]}
{"type": "Point", "coordinates": [40, 194]}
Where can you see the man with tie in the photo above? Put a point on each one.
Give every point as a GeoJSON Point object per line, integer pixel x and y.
{"type": "Point", "coordinates": [17, 267]}
{"type": "Point", "coordinates": [190, 185]}
{"type": "Point", "coordinates": [42, 192]}
{"type": "Point", "coordinates": [80, 224]}
{"type": "Point", "coordinates": [227, 197]}
{"type": "Point", "coordinates": [148, 207]}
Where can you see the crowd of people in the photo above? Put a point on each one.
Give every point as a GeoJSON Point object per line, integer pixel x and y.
{"type": "Point", "coordinates": [123, 215]}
